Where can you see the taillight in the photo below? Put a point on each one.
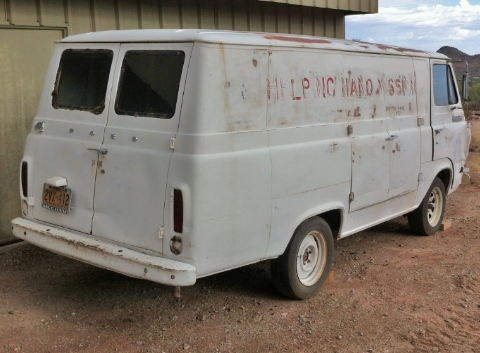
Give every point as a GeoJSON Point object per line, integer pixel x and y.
{"type": "Point", "coordinates": [24, 177]}
{"type": "Point", "coordinates": [177, 211]}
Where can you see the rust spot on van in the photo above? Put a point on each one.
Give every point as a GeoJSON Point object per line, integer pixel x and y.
{"type": "Point", "coordinates": [399, 49]}
{"type": "Point", "coordinates": [255, 62]}
{"type": "Point", "coordinates": [397, 147]}
{"type": "Point", "coordinates": [296, 39]}
{"type": "Point", "coordinates": [226, 97]}
{"type": "Point", "coordinates": [356, 112]}
{"type": "Point", "coordinates": [374, 114]}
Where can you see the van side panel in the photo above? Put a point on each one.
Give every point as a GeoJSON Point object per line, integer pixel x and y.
{"type": "Point", "coordinates": [307, 127]}
{"type": "Point", "coordinates": [364, 87]}
{"type": "Point", "coordinates": [226, 90]}
{"type": "Point", "coordinates": [221, 160]}
{"type": "Point", "coordinates": [313, 98]}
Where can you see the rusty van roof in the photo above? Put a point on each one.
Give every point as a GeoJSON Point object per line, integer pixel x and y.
{"type": "Point", "coordinates": [243, 38]}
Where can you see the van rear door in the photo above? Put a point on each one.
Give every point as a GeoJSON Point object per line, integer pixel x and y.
{"type": "Point", "coordinates": [70, 132]}
{"type": "Point", "coordinates": [143, 121]}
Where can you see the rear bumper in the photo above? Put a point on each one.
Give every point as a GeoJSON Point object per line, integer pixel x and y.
{"type": "Point", "coordinates": [102, 254]}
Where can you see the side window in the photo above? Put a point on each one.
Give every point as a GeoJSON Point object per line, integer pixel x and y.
{"type": "Point", "coordinates": [149, 83]}
{"type": "Point", "coordinates": [444, 91]}
{"type": "Point", "coordinates": [82, 79]}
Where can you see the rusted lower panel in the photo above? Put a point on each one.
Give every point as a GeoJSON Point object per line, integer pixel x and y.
{"type": "Point", "coordinates": [112, 257]}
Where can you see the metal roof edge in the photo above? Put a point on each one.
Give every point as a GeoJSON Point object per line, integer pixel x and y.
{"type": "Point", "coordinates": [357, 6]}
{"type": "Point", "coordinates": [244, 38]}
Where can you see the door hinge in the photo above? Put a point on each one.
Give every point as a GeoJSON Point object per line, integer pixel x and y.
{"type": "Point", "coordinates": [350, 129]}
{"type": "Point", "coordinates": [351, 197]}
{"type": "Point", "coordinates": [420, 121]}
{"type": "Point", "coordinates": [172, 143]}
{"type": "Point", "coordinates": [161, 233]}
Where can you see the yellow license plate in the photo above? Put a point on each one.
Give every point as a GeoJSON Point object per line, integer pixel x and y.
{"type": "Point", "coordinates": [56, 199]}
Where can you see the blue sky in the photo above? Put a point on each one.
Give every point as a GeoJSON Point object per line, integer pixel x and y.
{"type": "Point", "coordinates": [421, 24]}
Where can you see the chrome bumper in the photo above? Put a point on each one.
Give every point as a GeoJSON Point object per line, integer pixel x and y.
{"type": "Point", "coordinates": [102, 254]}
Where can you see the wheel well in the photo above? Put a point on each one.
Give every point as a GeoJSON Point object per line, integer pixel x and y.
{"type": "Point", "coordinates": [334, 220]}
{"type": "Point", "coordinates": [445, 176]}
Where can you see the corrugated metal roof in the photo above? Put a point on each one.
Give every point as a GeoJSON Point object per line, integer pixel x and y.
{"type": "Point", "coordinates": [363, 6]}
{"type": "Point", "coordinates": [243, 38]}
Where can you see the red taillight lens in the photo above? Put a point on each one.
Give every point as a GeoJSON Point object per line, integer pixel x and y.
{"type": "Point", "coordinates": [25, 179]}
{"type": "Point", "coordinates": [177, 211]}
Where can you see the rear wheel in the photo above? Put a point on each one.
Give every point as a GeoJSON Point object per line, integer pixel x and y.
{"type": "Point", "coordinates": [428, 217]}
{"type": "Point", "coordinates": [302, 270]}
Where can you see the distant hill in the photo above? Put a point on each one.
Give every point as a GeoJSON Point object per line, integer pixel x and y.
{"type": "Point", "coordinates": [455, 54]}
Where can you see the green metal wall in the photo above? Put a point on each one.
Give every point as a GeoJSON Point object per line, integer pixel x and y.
{"type": "Point", "coordinates": [24, 57]}
{"type": "Point", "coordinates": [28, 29]}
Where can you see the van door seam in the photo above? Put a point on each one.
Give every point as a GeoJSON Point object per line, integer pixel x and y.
{"type": "Point", "coordinates": [103, 136]}
{"type": "Point", "coordinates": [176, 132]}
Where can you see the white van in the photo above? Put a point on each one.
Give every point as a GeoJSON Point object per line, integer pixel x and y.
{"type": "Point", "coordinates": [171, 155]}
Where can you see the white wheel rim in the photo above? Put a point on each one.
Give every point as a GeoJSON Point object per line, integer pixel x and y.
{"type": "Point", "coordinates": [435, 206]}
{"type": "Point", "coordinates": [311, 258]}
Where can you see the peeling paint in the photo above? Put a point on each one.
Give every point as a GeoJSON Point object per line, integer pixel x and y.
{"type": "Point", "coordinates": [356, 112]}
{"type": "Point", "coordinates": [295, 39]}
{"type": "Point", "coordinates": [399, 49]}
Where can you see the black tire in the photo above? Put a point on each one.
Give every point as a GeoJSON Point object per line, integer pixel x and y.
{"type": "Point", "coordinates": [428, 217]}
{"type": "Point", "coordinates": [291, 272]}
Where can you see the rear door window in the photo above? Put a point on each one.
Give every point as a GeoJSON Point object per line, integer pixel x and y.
{"type": "Point", "coordinates": [82, 80]}
{"type": "Point", "coordinates": [149, 83]}
{"type": "Point", "coordinates": [444, 91]}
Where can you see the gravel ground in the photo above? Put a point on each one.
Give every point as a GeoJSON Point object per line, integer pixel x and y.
{"type": "Point", "coordinates": [390, 291]}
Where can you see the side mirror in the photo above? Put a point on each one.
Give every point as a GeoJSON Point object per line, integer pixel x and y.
{"type": "Point", "coordinates": [464, 80]}
{"type": "Point", "coordinates": [465, 86]}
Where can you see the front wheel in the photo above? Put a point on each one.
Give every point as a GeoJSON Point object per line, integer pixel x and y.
{"type": "Point", "coordinates": [304, 266]}
{"type": "Point", "coordinates": [428, 217]}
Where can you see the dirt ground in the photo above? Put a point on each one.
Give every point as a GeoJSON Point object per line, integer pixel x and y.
{"type": "Point", "coordinates": [392, 292]}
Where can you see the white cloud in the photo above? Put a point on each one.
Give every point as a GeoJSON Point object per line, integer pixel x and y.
{"type": "Point", "coordinates": [422, 24]}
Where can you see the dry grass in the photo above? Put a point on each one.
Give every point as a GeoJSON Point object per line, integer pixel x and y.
{"type": "Point", "coordinates": [473, 161]}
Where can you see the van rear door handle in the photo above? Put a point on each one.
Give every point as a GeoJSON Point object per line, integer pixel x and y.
{"type": "Point", "coordinates": [99, 150]}
{"type": "Point", "coordinates": [439, 130]}
{"type": "Point", "coordinates": [392, 137]}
